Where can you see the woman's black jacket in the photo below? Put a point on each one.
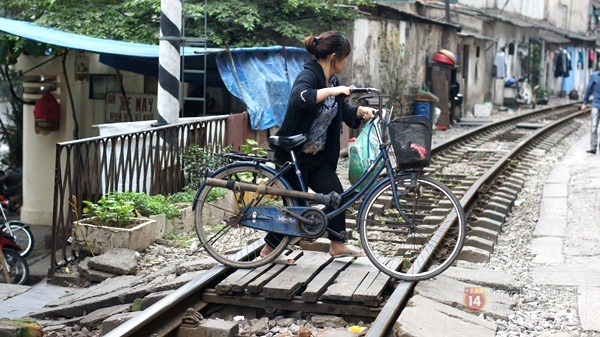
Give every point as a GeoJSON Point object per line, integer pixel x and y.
{"type": "Point", "coordinates": [302, 110]}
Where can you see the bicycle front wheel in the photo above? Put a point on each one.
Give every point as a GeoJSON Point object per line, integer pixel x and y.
{"type": "Point", "coordinates": [218, 211]}
{"type": "Point", "coordinates": [17, 268]}
{"type": "Point", "coordinates": [22, 235]}
{"type": "Point", "coordinates": [418, 241]}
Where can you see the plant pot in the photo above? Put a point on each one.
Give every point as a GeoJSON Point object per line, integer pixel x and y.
{"type": "Point", "coordinates": [102, 238]}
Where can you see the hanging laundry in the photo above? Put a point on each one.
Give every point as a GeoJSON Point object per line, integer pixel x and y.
{"type": "Point", "coordinates": [568, 66]}
{"type": "Point", "coordinates": [580, 59]}
{"type": "Point", "coordinates": [559, 66]}
{"type": "Point", "coordinates": [500, 64]}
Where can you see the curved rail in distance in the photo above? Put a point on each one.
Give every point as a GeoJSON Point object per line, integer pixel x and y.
{"type": "Point", "coordinates": [400, 296]}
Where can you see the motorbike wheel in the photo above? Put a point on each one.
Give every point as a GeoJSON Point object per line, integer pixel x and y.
{"type": "Point", "coordinates": [22, 235]}
{"type": "Point", "coordinates": [17, 268]}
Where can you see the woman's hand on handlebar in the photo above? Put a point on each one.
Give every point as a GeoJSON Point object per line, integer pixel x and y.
{"type": "Point", "coordinates": [341, 90]}
{"type": "Point", "coordinates": [365, 112]}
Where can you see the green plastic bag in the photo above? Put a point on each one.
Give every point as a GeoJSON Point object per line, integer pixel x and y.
{"type": "Point", "coordinates": [362, 153]}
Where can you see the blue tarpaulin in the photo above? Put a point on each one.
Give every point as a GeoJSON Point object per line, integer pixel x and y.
{"type": "Point", "coordinates": [262, 79]}
{"type": "Point", "coordinates": [262, 76]}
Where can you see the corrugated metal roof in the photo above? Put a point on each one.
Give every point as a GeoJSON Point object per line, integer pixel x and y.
{"type": "Point", "coordinates": [552, 37]}
{"type": "Point", "coordinates": [475, 35]}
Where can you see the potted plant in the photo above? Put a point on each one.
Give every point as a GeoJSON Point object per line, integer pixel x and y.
{"type": "Point", "coordinates": [112, 223]}
{"type": "Point", "coordinates": [174, 210]}
{"type": "Point", "coordinates": [542, 94]}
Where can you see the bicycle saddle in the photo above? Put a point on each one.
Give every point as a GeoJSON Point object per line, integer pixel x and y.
{"type": "Point", "coordinates": [287, 142]}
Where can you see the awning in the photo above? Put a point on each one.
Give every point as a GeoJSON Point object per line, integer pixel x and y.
{"type": "Point", "coordinates": [59, 38]}
{"type": "Point", "coordinates": [552, 37]}
{"type": "Point", "coordinates": [262, 77]}
{"type": "Point", "coordinates": [466, 33]}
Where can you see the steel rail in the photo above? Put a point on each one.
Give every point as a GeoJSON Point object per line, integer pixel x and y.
{"type": "Point", "coordinates": [135, 326]}
{"type": "Point", "coordinates": [400, 296]}
{"type": "Point", "coordinates": [514, 119]}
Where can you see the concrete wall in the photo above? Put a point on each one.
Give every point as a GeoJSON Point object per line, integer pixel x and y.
{"type": "Point", "coordinates": [572, 15]}
{"type": "Point", "coordinates": [391, 54]}
{"type": "Point", "coordinates": [531, 8]}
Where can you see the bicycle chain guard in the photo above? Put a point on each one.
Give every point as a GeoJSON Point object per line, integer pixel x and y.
{"type": "Point", "coordinates": [299, 221]}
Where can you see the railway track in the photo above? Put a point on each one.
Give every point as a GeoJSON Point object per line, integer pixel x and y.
{"type": "Point", "coordinates": [484, 167]}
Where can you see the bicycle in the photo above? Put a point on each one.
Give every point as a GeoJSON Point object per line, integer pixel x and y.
{"type": "Point", "coordinates": [411, 227]}
{"type": "Point", "coordinates": [19, 231]}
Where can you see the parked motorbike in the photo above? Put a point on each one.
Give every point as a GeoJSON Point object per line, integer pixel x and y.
{"type": "Point", "coordinates": [14, 268]}
{"type": "Point", "coordinates": [20, 232]}
{"type": "Point", "coordinates": [11, 187]}
{"type": "Point", "coordinates": [524, 93]}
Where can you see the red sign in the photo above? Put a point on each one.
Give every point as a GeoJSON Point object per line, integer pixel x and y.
{"type": "Point", "coordinates": [141, 106]}
{"type": "Point", "coordinates": [474, 298]}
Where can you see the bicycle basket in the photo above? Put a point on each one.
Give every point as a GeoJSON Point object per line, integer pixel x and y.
{"type": "Point", "coordinates": [411, 140]}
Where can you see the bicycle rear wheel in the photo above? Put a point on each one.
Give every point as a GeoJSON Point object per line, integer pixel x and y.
{"type": "Point", "coordinates": [217, 214]}
{"type": "Point", "coordinates": [423, 243]}
{"type": "Point", "coordinates": [22, 235]}
{"type": "Point", "coordinates": [17, 268]}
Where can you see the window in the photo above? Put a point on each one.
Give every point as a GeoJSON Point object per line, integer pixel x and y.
{"type": "Point", "coordinates": [102, 84]}
{"type": "Point", "coordinates": [564, 13]}
{"type": "Point", "coordinates": [150, 85]}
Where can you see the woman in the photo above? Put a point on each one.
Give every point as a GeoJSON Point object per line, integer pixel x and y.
{"type": "Point", "coordinates": [316, 107]}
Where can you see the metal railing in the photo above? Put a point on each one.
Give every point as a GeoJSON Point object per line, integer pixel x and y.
{"type": "Point", "coordinates": [149, 161]}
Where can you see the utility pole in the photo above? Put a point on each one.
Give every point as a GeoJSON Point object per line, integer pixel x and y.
{"type": "Point", "coordinates": [447, 11]}
{"type": "Point", "coordinates": [169, 68]}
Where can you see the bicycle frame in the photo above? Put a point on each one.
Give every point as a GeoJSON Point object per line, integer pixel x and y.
{"type": "Point", "coordinates": [370, 176]}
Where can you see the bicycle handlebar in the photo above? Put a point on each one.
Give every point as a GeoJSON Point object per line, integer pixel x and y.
{"type": "Point", "coordinates": [355, 90]}
{"type": "Point", "coordinates": [381, 113]}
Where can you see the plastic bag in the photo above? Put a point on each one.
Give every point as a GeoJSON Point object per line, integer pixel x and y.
{"type": "Point", "coordinates": [362, 153]}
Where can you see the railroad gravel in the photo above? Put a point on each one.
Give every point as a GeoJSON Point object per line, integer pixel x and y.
{"type": "Point", "coordinates": [538, 310]}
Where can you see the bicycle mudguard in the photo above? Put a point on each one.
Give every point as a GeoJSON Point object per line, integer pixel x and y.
{"type": "Point", "coordinates": [273, 219]}
{"type": "Point", "coordinates": [236, 164]}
